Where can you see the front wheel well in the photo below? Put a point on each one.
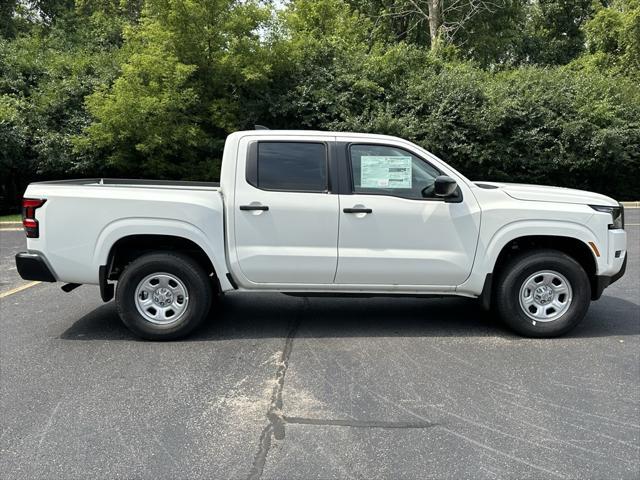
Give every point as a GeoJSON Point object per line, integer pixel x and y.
{"type": "Point", "coordinates": [127, 249]}
{"type": "Point", "coordinates": [576, 249]}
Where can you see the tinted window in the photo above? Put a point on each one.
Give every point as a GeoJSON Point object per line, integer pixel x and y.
{"type": "Point", "coordinates": [383, 170]}
{"type": "Point", "coordinates": [293, 166]}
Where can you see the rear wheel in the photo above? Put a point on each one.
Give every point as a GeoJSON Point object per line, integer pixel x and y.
{"type": "Point", "coordinates": [163, 296]}
{"type": "Point", "coordinates": [543, 293]}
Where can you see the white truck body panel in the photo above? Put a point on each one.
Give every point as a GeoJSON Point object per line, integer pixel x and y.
{"type": "Point", "coordinates": [298, 234]}
{"type": "Point", "coordinates": [80, 223]}
{"type": "Point", "coordinates": [304, 242]}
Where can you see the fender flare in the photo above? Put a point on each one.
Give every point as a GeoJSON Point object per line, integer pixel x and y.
{"type": "Point", "coordinates": [132, 226]}
{"type": "Point", "coordinates": [533, 228]}
{"type": "Point", "coordinates": [487, 253]}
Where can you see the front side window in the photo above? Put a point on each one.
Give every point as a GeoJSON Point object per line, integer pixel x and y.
{"type": "Point", "coordinates": [384, 170]}
{"type": "Point", "coordinates": [292, 166]}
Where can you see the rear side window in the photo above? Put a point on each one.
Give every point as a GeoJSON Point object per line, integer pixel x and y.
{"type": "Point", "coordinates": [292, 166]}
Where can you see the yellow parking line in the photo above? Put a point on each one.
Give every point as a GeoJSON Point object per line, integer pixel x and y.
{"type": "Point", "coordinates": [10, 229]}
{"type": "Point", "coordinates": [18, 289]}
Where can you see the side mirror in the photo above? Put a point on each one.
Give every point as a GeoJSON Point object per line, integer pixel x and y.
{"type": "Point", "coordinates": [444, 186]}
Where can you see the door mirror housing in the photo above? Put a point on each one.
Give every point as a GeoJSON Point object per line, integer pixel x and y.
{"type": "Point", "coordinates": [445, 186]}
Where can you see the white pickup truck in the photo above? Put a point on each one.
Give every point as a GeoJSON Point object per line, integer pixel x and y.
{"type": "Point", "coordinates": [321, 212]}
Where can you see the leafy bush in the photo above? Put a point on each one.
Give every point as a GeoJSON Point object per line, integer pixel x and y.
{"type": "Point", "coordinates": [530, 125]}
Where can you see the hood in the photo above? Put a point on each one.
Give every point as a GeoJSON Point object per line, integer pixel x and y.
{"type": "Point", "coordinates": [543, 193]}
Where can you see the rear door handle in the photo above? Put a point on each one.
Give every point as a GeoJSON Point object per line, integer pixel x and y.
{"type": "Point", "coordinates": [264, 208]}
{"type": "Point", "coordinates": [357, 210]}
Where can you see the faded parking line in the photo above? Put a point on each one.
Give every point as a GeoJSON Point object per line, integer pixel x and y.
{"type": "Point", "coordinates": [18, 289]}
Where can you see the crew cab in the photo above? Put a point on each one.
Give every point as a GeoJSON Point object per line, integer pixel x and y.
{"type": "Point", "coordinates": [307, 212]}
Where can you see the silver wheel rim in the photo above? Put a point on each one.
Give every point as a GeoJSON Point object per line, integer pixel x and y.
{"type": "Point", "coordinates": [545, 296]}
{"type": "Point", "coordinates": [161, 298]}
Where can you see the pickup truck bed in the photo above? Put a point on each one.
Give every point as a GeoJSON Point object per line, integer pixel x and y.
{"type": "Point", "coordinates": [87, 218]}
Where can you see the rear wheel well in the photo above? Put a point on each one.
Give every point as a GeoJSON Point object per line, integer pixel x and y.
{"type": "Point", "coordinates": [127, 249]}
{"type": "Point", "coordinates": [572, 247]}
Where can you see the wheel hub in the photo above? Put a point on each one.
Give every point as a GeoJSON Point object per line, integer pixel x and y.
{"type": "Point", "coordinates": [162, 297]}
{"type": "Point", "coordinates": [543, 294]}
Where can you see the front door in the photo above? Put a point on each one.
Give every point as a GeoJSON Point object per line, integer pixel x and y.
{"type": "Point", "coordinates": [286, 221]}
{"type": "Point", "coordinates": [394, 231]}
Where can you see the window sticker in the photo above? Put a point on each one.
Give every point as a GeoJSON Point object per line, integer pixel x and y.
{"type": "Point", "coordinates": [385, 172]}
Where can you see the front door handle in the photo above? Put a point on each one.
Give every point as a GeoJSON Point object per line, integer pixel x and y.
{"type": "Point", "coordinates": [357, 210]}
{"type": "Point", "coordinates": [264, 208]}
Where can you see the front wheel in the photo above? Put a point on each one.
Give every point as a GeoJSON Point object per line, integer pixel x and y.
{"type": "Point", "coordinates": [163, 296]}
{"type": "Point", "coordinates": [543, 293]}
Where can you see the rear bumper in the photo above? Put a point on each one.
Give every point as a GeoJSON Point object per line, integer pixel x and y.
{"type": "Point", "coordinates": [31, 266]}
{"type": "Point", "coordinates": [603, 281]}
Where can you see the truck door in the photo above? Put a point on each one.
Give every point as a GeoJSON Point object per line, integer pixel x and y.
{"type": "Point", "coordinates": [286, 219]}
{"type": "Point", "coordinates": [393, 230]}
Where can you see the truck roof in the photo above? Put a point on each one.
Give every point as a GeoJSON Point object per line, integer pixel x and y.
{"type": "Point", "coordinates": [324, 133]}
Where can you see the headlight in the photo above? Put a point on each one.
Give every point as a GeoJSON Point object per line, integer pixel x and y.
{"type": "Point", "coordinates": [617, 215]}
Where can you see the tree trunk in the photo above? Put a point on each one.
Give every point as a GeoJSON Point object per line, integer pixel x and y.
{"type": "Point", "coordinates": [435, 19]}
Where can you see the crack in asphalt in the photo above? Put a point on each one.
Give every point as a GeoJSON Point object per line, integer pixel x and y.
{"type": "Point", "coordinates": [356, 423]}
{"type": "Point", "coordinates": [261, 455]}
{"type": "Point", "coordinates": [275, 428]}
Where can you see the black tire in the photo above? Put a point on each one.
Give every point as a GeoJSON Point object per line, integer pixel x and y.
{"type": "Point", "coordinates": [518, 270]}
{"type": "Point", "coordinates": [195, 280]}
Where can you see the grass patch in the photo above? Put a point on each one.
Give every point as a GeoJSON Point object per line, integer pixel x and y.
{"type": "Point", "coordinates": [11, 218]}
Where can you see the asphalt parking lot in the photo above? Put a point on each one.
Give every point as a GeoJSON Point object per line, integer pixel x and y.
{"type": "Point", "coordinates": [279, 387]}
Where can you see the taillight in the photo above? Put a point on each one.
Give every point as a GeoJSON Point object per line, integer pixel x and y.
{"type": "Point", "coordinates": [29, 222]}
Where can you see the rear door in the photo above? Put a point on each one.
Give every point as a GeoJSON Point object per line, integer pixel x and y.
{"type": "Point", "coordinates": [286, 219]}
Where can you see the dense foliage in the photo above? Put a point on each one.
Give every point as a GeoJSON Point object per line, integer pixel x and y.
{"type": "Point", "coordinates": [545, 91]}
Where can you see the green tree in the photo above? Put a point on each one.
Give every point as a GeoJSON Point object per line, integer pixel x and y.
{"type": "Point", "coordinates": [14, 157]}
{"type": "Point", "coordinates": [483, 30]}
{"type": "Point", "coordinates": [7, 27]}
{"type": "Point", "coordinates": [553, 33]}
{"type": "Point", "coordinates": [145, 119]}
{"type": "Point", "coordinates": [191, 69]}
{"type": "Point", "coordinates": [613, 38]}
{"type": "Point", "coordinates": [45, 73]}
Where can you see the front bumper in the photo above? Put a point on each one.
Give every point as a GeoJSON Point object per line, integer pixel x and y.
{"type": "Point", "coordinates": [603, 281]}
{"type": "Point", "coordinates": [31, 266]}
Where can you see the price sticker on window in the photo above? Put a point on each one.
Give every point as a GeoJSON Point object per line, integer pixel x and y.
{"type": "Point", "coordinates": [385, 172]}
